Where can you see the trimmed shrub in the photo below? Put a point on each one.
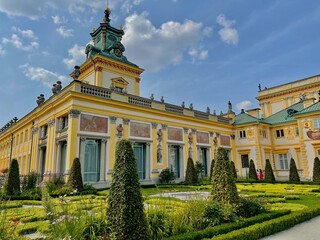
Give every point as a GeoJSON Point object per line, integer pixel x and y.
{"type": "Point", "coordinates": [224, 188]}
{"type": "Point", "coordinates": [268, 172]}
{"type": "Point", "coordinates": [233, 170]}
{"type": "Point", "coordinates": [30, 181]}
{"type": "Point", "coordinates": [293, 174]}
{"type": "Point", "coordinates": [75, 177]}
{"type": "Point", "coordinates": [316, 170]}
{"type": "Point", "coordinates": [216, 214]}
{"type": "Point", "coordinates": [125, 215]}
{"type": "Point", "coordinates": [166, 176]}
{"type": "Point", "coordinates": [12, 183]}
{"type": "Point", "coordinates": [191, 175]}
{"type": "Point", "coordinates": [211, 168]}
{"type": "Point", "coordinates": [252, 171]}
{"type": "Point", "coordinates": [249, 207]}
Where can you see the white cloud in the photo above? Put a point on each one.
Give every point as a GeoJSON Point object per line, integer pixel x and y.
{"type": "Point", "coordinates": [42, 75]}
{"type": "Point", "coordinates": [76, 56]}
{"type": "Point", "coordinates": [25, 33]}
{"type": "Point", "coordinates": [155, 48]}
{"type": "Point", "coordinates": [2, 51]}
{"type": "Point", "coordinates": [198, 54]}
{"type": "Point", "coordinates": [59, 20]}
{"type": "Point", "coordinates": [127, 5]}
{"type": "Point", "coordinates": [16, 41]}
{"type": "Point", "coordinates": [244, 105]}
{"type": "Point", "coordinates": [228, 34]}
{"type": "Point", "coordinates": [64, 32]}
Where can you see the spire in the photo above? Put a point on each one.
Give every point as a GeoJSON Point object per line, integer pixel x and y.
{"type": "Point", "coordinates": [106, 15]}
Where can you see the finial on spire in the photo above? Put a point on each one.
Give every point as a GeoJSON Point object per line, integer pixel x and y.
{"type": "Point", "coordinates": [107, 15]}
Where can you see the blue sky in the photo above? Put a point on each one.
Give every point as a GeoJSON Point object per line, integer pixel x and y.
{"type": "Point", "coordinates": [205, 52]}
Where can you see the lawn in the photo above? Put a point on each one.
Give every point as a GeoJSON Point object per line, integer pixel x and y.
{"type": "Point", "coordinates": [25, 216]}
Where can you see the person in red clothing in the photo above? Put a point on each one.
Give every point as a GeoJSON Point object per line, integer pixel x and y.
{"type": "Point", "coordinates": [260, 175]}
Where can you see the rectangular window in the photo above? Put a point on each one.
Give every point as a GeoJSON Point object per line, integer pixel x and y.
{"type": "Point", "coordinates": [245, 161]}
{"type": "Point", "coordinates": [242, 134]}
{"type": "Point", "coordinates": [316, 123]}
{"type": "Point", "coordinates": [264, 133]}
{"type": "Point", "coordinates": [283, 160]}
{"type": "Point", "coordinates": [21, 138]}
{"type": "Point", "coordinates": [318, 153]}
{"type": "Point", "coordinates": [26, 135]}
{"type": "Point", "coordinates": [280, 133]}
{"type": "Point", "coordinates": [297, 131]}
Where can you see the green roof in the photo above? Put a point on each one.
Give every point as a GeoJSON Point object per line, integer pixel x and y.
{"type": "Point", "coordinates": [244, 118]}
{"type": "Point", "coordinates": [285, 115]}
{"type": "Point", "coordinates": [312, 108]}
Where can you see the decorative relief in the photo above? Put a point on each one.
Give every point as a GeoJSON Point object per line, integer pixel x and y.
{"type": "Point", "coordinates": [185, 130]}
{"type": "Point", "coordinates": [74, 113]}
{"type": "Point", "coordinates": [35, 130]}
{"type": "Point", "coordinates": [119, 130]}
{"type": "Point", "coordinates": [203, 137]}
{"type": "Point", "coordinates": [164, 126]}
{"type": "Point", "coordinates": [154, 125]}
{"type": "Point", "coordinates": [89, 123]}
{"type": "Point", "coordinates": [113, 119]}
{"type": "Point", "coordinates": [175, 134]}
{"type": "Point", "coordinates": [225, 140]}
{"type": "Point", "coordinates": [140, 130]}
{"type": "Point", "coordinates": [126, 121]}
{"type": "Point", "coordinates": [51, 122]}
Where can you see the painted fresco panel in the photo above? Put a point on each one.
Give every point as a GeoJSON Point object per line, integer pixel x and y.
{"type": "Point", "coordinates": [141, 130]}
{"type": "Point", "coordinates": [89, 123]}
{"type": "Point", "coordinates": [225, 140]}
{"type": "Point", "coordinates": [203, 137]}
{"type": "Point", "coordinates": [175, 134]}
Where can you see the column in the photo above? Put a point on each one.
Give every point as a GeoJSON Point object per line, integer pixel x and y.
{"type": "Point", "coordinates": [72, 137]}
{"type": "Point", "coordinates": [165, 159]}
{"type": "Point", "coordinates": [187, 150]}
{"type": "Point", "coordinates": [155, 143]}
{"type": "Point", "coordinates": [112, 146]}
{"type": "Point", "coordinates": [58, 165]}
{"type": "Point", "coordinates": [126, 128]}
{"type": "Point", "coordinates": [103, 160]}
{"type": "Point", "coordinates": [32, 165]}
{"type": "Point", "coordinates": [50, 147]}
{"type": "Point", "coordinates": [148, 160]}
{"type": "Point", "coordinates": [98, 76]}
{"type": "Point", "coordinates": [194, 145]}
{"type": "Point", "coordinates": [82, 154]}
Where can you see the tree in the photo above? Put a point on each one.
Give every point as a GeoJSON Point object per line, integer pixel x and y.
{"type": "Point", "coordinates": [211, 168]}
{"type": "Point", "coordinates": [268, 172]}
{"type": "Point", "coordinates": [233, 170]}
{"type": "Point", "coordinates": [316, 170]}
{"type": "Point", "coordinates": [191, 175]}
{"type": "Point", "coordinates": [252, 171]}
{"type": "Point", "coordinates": [224, 189]}
{"type": "Point", "coordinates": [12, 182]}
{"type": "Point", "coordinates": [293, 174]}
{"type": "Point", "coordinates": [75, 177]}
{"type": "Point", "coordinates": [125, 215]}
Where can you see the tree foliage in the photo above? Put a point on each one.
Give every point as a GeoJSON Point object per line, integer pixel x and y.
{"type": "Point", "coordinates": [211, 168]}
{"type": "Point", "coordinates": [269, 175]}
{"type": "Point", "coordinates": [125, 215]}
{"type": "Point", "coordinates": [252, 170]}
{"type": "Point", "coordinates": [191, 174]}
{"type": "Point", "coordinates": [12, 182]}
{"type": "Point", "coordinates": [316, 170]}
{"type": "Point", "coordinates": [75, 177]}
{"type": "Point", "coordinates": [233, 170]}
{"type": "Point", "coordinates": [224, 189]}
{"type": "Point", "coordinates": [293, 174]}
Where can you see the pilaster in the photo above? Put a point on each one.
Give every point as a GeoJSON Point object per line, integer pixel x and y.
{"type": "Point", "coordinates": [72, 148]}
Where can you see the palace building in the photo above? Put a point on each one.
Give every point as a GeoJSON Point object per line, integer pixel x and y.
{"type": "Point", "coordinates": [102, 105]}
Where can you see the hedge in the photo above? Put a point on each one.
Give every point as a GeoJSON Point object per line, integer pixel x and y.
{"type": "Point", "coordinates": [228, 227]}
{"type": "Point", "coordinates": [270, 227]}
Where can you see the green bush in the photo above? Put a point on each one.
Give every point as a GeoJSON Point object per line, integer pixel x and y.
{"type": "Point", "coordinates": [270, 227]}
{"type": "Point", "coordinates": [12, 183]}
{"type": "Point", "coordinates": [166, 176]}
{"type": "Point", "coordinates": [158, 221]}
{"type": "Point", "coordinates": [75, 177]}
{"type": "Point", "coordinates": [125, 215]}
{"type": "Point", "coordinates": [316, 170]}
{"type": "Point", "coordinates": [191, 175]}
{"type": "Point", "coordinates": [224, 188]}
{"type": "Point", "coordinates": [252, 171]}
{"type": "Point", "coordinates": [293, 174]}
{"type": "Point", "coordinates": [216, 214]}
{"type": "Point", "coordinates": [249, 207]}
{"type": "Point", "coordinates": [233, 170]}
{"type": "Point", "coordinates": [211, 168]}
{"type": "Point", "coordinates": [30, 181]}
{"type": "Point", "coordinates": [228, 227]}
{"type": "Point", "coordinates": [269, 175]}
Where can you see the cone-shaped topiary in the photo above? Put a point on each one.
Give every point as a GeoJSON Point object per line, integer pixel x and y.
{"type": "Point", "coordinates": [269, 176]}
{"type": "Point", "coordinates": [75, 178]}
{"type": "Point", "coordinates": [12, 183]}
{"type": "Point", "coordinates": [293, 174]}
{"type": "Point", "coordinates": [316, 170]}
{"type": "Point", "coordinates": [252, 170]}
{"type": "Point", "coordinates": [211, 168]}
{"type": "Point", "coordinates": [224, 189]}
{"type": "Point", "coordinates": [233, 170]}
{"type": "Point", "coordinates": [125, 215]}
{"type": "Point", "coordinates": [191, 175]}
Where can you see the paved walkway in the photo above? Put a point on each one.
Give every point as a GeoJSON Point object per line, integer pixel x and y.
{"type": "Point", "coordinates": [309, 230]}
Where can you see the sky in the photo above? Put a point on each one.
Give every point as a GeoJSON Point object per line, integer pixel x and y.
{"type": "Point", "coordinates": [202, 52]}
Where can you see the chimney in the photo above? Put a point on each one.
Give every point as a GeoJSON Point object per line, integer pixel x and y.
{"type": "Point", "coordinates": [254, 112]}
